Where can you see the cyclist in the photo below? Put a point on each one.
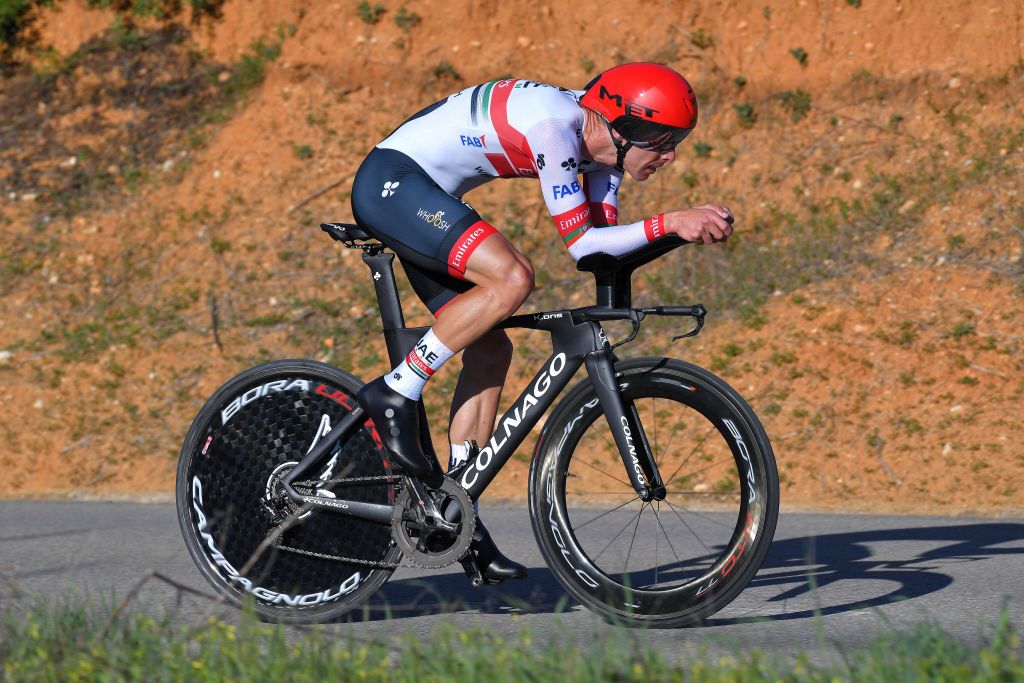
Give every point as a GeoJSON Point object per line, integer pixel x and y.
{"type": "Point", "coordinates": [408, 194]}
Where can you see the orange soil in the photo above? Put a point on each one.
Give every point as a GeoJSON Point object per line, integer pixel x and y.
{"type": "Point", "coordinates": [876, 395]}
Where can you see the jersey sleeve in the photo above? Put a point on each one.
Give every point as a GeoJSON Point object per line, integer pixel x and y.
{"type": "Point", "coordinates": [555, 144]}
{"type": "Point", "coordinates": [602, 189]}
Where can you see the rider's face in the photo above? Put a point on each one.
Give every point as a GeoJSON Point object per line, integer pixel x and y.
{"type": "Point", "coordinates": [642, 163]}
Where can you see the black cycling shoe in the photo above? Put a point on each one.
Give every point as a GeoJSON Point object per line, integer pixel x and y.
{"type": "Point", "coordinates": [397, 419]}
{"type": "Point", "coordinates": [494, 566]}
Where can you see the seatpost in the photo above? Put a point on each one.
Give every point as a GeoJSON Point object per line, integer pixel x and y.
{"type": "Point", "coordinates": [397, 337]}
{"type": "Point", "coordinates": [383, 271]}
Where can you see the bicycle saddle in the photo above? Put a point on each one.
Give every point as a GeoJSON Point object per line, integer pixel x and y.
{"type": "Point", "coordinates": [345, 232]}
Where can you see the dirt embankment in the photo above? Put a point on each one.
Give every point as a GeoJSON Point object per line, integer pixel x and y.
{"type": "Point", "coordinates": [870, 305]}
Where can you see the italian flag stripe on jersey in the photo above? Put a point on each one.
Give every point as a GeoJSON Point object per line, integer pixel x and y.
{"type": "Point", "coordinates": [487, 98]}
{"type": "Point", "coordinates": [519, 157]}
{"type": "Point", "coordinates": [573, 224]}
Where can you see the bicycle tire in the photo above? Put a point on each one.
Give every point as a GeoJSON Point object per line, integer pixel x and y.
{"type": "Point", "coordinates": [250, 431]}
{"type": "Point", "coordinates": [732, 439]}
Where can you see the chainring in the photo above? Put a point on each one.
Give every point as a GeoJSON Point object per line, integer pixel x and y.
{"type": "Point", "coordinates": [433, 548]}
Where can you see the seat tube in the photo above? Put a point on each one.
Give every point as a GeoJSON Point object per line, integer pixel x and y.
{"type": "Point", "coordinates": [624, 425]}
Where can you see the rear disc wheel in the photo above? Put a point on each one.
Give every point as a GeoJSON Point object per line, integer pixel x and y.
{"type": "Point", "coordinates": [230, 501]}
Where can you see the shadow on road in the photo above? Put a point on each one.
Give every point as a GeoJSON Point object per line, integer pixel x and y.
{"type": "Point", "coordinates": [801, 569]}
{"type": "Point", "coordinates": [806, 567]}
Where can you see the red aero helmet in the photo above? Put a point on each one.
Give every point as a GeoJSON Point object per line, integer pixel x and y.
{"type": "Point", "coordinates": [644, 102]}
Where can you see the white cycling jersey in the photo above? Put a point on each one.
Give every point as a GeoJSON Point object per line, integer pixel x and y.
{"type": "Point", "coordinates": [518, 128]}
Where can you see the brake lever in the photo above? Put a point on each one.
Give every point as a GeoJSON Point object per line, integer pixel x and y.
{"type": "Point", "coordinates": [698, 314]}
{"type": "Point", "coordinates": [635, 317]}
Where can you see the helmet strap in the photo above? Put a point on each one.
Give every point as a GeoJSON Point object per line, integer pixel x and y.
{"type": "Point", "coordinates": [620, 147]}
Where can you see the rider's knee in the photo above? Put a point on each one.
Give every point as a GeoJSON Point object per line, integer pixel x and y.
{"type": "Point", "coordinates": [519, 282]}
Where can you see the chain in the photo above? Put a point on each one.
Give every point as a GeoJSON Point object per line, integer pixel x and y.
{"type": "Point", "coordinates": [316, 483]}
{"type": "Point", "coordinates": [337, 558]}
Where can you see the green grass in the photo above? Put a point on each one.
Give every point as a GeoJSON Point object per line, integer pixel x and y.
{"type": "Point", "coordinates": [76, 641]}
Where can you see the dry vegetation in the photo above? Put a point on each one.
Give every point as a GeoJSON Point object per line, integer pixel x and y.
{"type": "Point", "coordinates": [870, 305]}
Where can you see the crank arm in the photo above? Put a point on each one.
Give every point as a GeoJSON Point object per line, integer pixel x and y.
{"type": "Point", "coordinates": [426, 512]}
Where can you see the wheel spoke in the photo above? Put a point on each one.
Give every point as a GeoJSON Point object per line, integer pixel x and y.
{"type": "Point", "coordinates": [697, 514]}
{"type": "Point", "coordinates": [631, 492]}
{"type": "Point", "coordinates": [637, 515]}
{"type": "Point", "coordinates": [656, 545]}
{"type": "Point", "coordinates": [692, 452]}
{"type": "Point", "coordinates": [690, 529]}
{"type": "Point", "coordinates": [657, 516]}
{"type": "Point", "coordinates": [728, 458]}
{"type": "Point", "coordinates": [625, 483]}
{"type": "Point", "coordinates": [625, 568]}
{"type": "Point", "coordinates": [608, 512]}
{"type": "Point", "coordinates": [702, 493]}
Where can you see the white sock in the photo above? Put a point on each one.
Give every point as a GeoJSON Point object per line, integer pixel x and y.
{"type": "Point", "coordinates": [423, 360]}
{"type": "Point", "coordinates": [459, 455]}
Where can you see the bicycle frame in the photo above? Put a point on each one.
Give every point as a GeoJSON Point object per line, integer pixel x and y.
{"type": "Point", "coordinates": [576, 341]}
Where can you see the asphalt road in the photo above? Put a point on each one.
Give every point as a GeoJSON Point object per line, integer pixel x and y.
{"type": "Point", "coordinates": [828, 578]}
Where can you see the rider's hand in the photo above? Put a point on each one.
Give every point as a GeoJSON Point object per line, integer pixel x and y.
{"type": "Point", "coordinates": [707, 223]}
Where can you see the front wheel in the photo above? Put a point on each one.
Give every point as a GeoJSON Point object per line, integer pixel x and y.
{"type": "Point", "coordinates": [666, 563]}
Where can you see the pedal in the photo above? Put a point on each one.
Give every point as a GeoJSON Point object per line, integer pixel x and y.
{"type": "Point", "coordinates": [476, 579]}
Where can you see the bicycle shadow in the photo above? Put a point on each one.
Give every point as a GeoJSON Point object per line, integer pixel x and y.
{"type": "Point", "coordinates": [801, 568]}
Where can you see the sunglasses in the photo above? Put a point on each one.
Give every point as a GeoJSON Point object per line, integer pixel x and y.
{"type": "Point", "coordinates": [663, 143]}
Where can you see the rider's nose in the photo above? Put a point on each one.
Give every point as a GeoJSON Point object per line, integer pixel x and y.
{"type": "Point", "coordinates": [669, 156]}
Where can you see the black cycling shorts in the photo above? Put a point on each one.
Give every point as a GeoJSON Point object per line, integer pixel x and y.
{"type": "Point", "coordinates": [432, 232]}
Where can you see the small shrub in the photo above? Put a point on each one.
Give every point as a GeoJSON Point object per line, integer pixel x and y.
{"type": "Point", "coordinates": [854, 3]}
{"type": "Point", "coordinates": [268, 320]}
{"type": "Point", "coordinates": [587, 64]}
{"type": "Point", "coordinates": [732, 350]}
{"type": "Point", "coordinates": [406, 20]}
{"type": "Point", "coordinates": [961, 330]}
{"type": "Point", "coordinates": [446, 70]}
{"type": "Point", "coordinates": [783, 357]}
{"type": "Point", "coordinates": [14, 15]}
{"type": "Point", "coordinates": [302, 151]}
{"type": "Point", "coordinates": [740, 81]}
{"type": "Point", "coordinates": [702, 149]}
{"type": "Point", "coordinates": [800, 55]}
{"type": "Point", "coordinates": [370, 14]}
{"type": "Point", "coordinates": [796, 103]}
{"type": "Point", "coordinates": [746, 114]}
{"type": "Point", "coordinates": [219, 246]}
{"type": "Point", "coordinates": [701, 40]}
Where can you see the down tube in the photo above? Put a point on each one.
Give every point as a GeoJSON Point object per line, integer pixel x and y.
{"type": "Point", "coordinates": [516, 423]}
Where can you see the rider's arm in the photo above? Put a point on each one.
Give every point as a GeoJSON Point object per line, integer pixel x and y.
{"type": "Point", "coordinates": [556, 149]}
{"type": "Point", "coordinates": [602, 189]}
